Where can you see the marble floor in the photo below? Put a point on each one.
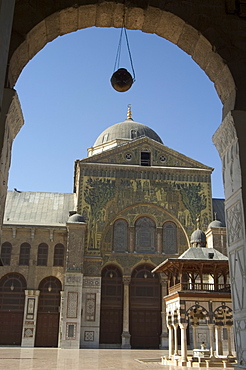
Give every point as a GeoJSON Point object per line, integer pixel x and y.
{"type": "Point", "coordinates": [16, 358]}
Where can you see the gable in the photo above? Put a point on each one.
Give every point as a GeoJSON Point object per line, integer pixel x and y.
{"type": "Point", "coordinates": [135, 152]}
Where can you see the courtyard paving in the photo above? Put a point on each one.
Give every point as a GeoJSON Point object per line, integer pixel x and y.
{"type": "Point", "coordinates": [16, 358]}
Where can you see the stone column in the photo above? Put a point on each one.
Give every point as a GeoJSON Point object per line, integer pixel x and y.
{"type": "Point", "coordinates": [131, 239]}
{"type": "Point", "coordinates": [30, 318]}
{"type": "Point", "coordinates": [159, 239]}
{"type": "Point", "coordinates": [229, 341]}
{"type": "Point", "coordinates": [61, 318]}
{"type": "Point", "coordinates": [6, 20]}
{"type": "Point", "coordinates": [164, 340]}
{"type": "Point", "coordinates": [170, 340]}
{"type": "Point", "coordinates": [211, 339]}
{"type": "Point", "coordinates": [194, 327]}
{"type": "Point", "coordinates": [183, 327]}
{"type": "Point", "coordinates": [230, 143]}
{"type": "Point", "coordinates": [218, 341]}
{"type": "Point", "coordinates": [126, 334]}
{"type": "Point", "coordinates": [176, 350]}
{"type": "Point", "coordinates": [11, 121]}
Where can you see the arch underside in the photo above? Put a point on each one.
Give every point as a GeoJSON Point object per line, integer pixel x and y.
{"type": "Point", "coordinates": [149, 19]}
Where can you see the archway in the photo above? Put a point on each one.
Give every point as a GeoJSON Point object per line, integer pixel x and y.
{"type": "Point", "coordinates": [12, 300]}
{"type": "Point", "coordinates": [48, 313]}
{"type": "Point", "coordinates": [111, 316]}
{"type": "Point", "coordinates": [198, 30]}
{"type": "Point", "coordinates": [145, 308]}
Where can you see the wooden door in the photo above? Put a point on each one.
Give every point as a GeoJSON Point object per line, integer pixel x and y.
{"type": "Point", "coordinates": [145, 308]}
{"type": "Point", "coordinates": [111, 306]}
{"type": "Point", "coordinates": [48, 313]}
{"type": "Point", "coordinates": [12, 300]}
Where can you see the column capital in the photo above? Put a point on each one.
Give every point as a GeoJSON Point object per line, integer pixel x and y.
{"type": "Point", "coordinates": [126, 279]}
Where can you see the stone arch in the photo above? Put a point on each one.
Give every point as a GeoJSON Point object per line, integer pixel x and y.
{"type": "Point", "coordinates": [148, 19]}
{"type": "Point", "coordinates": [223, 316]}
{"type": "Point", "coordinates": [196, 313]}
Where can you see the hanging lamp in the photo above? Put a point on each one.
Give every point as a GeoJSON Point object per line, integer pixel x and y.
{"type": "Point", "coordinates": [121, 79]}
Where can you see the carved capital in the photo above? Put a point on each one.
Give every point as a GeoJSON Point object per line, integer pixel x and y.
{"type": "Point", "coordinates": [126, 280]}
{"type": "Point", "coordinates": [225, 135]}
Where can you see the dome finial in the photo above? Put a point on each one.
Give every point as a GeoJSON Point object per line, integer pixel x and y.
{"type": "Point", "coordinates": [129, 111]}
{"type": "Point", "coordinates": [198, 222]}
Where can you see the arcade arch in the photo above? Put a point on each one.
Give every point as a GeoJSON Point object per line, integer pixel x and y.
{"type": "Point", "coordinates": [213, 53]}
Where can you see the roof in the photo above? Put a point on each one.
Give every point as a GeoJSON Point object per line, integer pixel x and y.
{"type": "Point", "coordinates": [205, 259]}
{"type": "Point", "coordinates": [36, 208]}
{"type": "Point", "coordinates": [219, 210]}
{"type": "Point", "coordinates": [199, 253]}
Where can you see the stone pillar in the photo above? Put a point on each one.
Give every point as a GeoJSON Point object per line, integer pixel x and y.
{"type": "Point", "coordinates": [30, 318]}
{"type": "Point", "coordinates": [211, 339]}
{"type": "Point", "coordinates": [126, 334]}
{"type": "Point", "coordinates": [91, 306]}
{"type": "Point", "coordinates": [71, 314]}
{"type": "Point", "coordinates": [231, 145]}
{"type": "Point", "coordinates": [61, 318]}
{"type": "Point", "coordinates": [131, 239]}
{"type": "Point", "coordinates": [183, 327]}
{"type": "Point", "coordinates": [159, 239]}
{"type": "Point", "coordinates": [6, 20]}
{"type": "Point", "coordinates": [11, 121]}
{"type": "Point", "coordinates": [218, 341]}
{"type": "Point", "coordinates": [176, 350]}
{"type": "Point", "coordinates": [229, 341]}
{"type": "Point", "coordinates": [170, 340]}
{"type": "Point", "coordinates": [194, 327]}
{"type": "Point", "coordinates": [164, 339]}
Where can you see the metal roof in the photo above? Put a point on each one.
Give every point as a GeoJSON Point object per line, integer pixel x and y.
{"type": "Point", "coordinates": [36, 208]}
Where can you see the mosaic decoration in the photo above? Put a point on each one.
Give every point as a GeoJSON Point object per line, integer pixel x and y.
{"type": "Point", "coordinates": [89, 336]}
{"type": "Point", "coordinates": [71, 329]}
{"type": "Point", "coordinates": [28, 333]}
{"type": "Point", "coordinates": [72, 305]}
{"type": "Point", "coordinates": [30, 308]}
{"type": "Point", "coordinates": [90, 307]}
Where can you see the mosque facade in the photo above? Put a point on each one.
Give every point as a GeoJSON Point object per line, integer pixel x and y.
{"type": "Point", "coordinates": [77, 267]}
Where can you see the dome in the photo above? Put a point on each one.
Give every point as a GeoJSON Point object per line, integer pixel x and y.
{"type": "Point", "coordinates": [215, 223]}
{"type": "Point", "coordinates": [76, 218]}
{"type": "Point", "coordinates": [126, 130]}
{"type": "Point", "coordinates": [198, 237]}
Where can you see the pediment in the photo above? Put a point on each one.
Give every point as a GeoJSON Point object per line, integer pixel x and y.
{"type": "Point", "coordinates": [130, 154]}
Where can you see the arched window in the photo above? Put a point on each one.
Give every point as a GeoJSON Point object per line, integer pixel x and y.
{"type": "Point", "coordinates": [24, 254]}
{"type": "Point", "coordinates": [6, 253]}
{"type": "Point", "coordinates": [145, 235]}
{"type": "Point", "coordinates": [120, 236]}
{"type": "Point", "coordinates": [42, 254]}
{"type": "Point", "coordinates": [59, 255]}
{"type": "Point", "coordinates": [170, 238]}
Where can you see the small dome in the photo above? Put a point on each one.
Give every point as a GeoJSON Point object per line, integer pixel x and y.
{"type": "Point", "coordinates": [198, 238]}
{"type": "Point", "coordinates": [76, 218]}
{"type": "Point", "coordinates": [215, 223]}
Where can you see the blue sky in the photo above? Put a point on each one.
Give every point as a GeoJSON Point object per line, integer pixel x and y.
{"type": "Point", "coordinates": [67, 101]}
